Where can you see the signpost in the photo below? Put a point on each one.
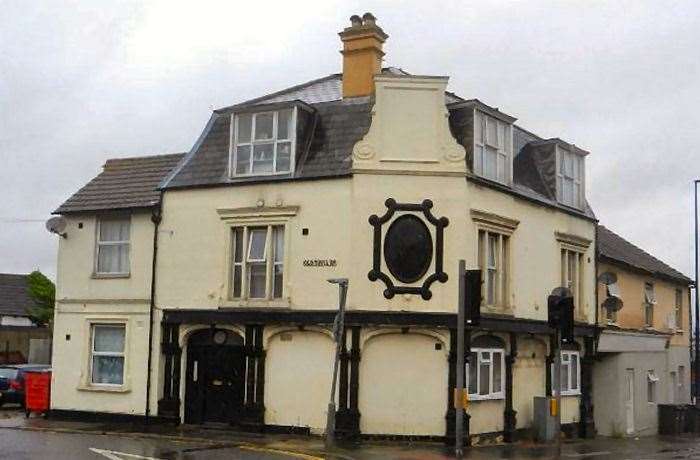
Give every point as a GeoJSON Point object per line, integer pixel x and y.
{"type": "Point", "coordinates": [338, 327]}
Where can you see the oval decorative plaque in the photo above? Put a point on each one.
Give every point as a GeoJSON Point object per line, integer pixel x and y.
{"type": "Point", "coordinates": [408, 248]}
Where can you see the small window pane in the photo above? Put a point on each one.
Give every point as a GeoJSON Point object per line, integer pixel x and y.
{"type": "Point", "coordinates": [114, 230]}
{"type": "Point", "coordinates": [108, 370]}
{"type": "Point", "coordinates": [262, 158]}
{"type": "Point", "coordinates": [279, 281]}
{"type": "Point", "coordinates": [243, 159]}
{"type": "Point", "coordinates": [108, 339]}
{"type": "Point", "coordinates": [257, 280]}
{"type": "Point", "coordinates": [478, 127]}
{"type": "Point", "coordinates": [484, 376]}
{"type": "Point", "coordinates": [501, 168]}
{"type": "Point", "coordinates": [574, 372]}
{"type": "Point", "coordinates": [245, 126]}
{"type": "Point", "coordinates": [479, 159]}
{"type": "Point", "coordinates": [256, 249]}
{"type": "Point", "coordinates": [568, 191]}
{"type": "Point", "coordinates": [472, 371]}
{"type": "Point", "coordinates": [278, 237]}
{"type": "Point", "coordinates": [491, 287]}
{"type": "Point", "coordinates": [284, 156]}
{"type": "Point", "coordinates": [564, 376]}
{"type": "Point", "coordinates": [237, 278]}
{"type": "Point", "coordinates": [490, 163]}
{"type": "Point", "coordinates": [113, 258]}
{"type": "Point", "coordinates": [284, 124]}
{"type": "Point", "coordinates": [491, 132]}
{"type": "Point", "coordinates": [263, 126]}
{"type": "Point", "coordinates": [497, 357]}
{"type": "Point", "coordinates": [238, 244]}
{"type": "Point", "coordinates": [501, 135]}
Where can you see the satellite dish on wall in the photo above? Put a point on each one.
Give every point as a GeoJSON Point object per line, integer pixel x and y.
{"type": "Point", "coordinates": [57, 225]}
{"type": "Point", "coordinates": [613, 303]}
{"type": "Point", "coordinates": [607, 278]}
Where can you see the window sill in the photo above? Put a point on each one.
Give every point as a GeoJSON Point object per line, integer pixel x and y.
{"type": "Point", "coordinates": [570, 393]}
{"type": "Point", "coordinates": [679, 331]}
{"type": "Point", "coordinates": [253, 303]}
{"type": "Point", "coordinates": [475, 398]}
{"type": "Point", "coordinates": [107, 276]}
{"type": "Point", "coordinates": [104, 388]}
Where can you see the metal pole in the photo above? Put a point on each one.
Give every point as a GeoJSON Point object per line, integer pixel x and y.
{"type": "Point", "coordinates": [338, 328]}
{"type": "Point", "coordinates": [556, 387]}
{"type": "Point", "coordinates": [459, 410]}
{"type": "Point", "coordinates": [696, 363]}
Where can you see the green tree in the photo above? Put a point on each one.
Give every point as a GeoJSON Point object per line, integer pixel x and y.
{"type": "Point", "coordinates": [43, 292]}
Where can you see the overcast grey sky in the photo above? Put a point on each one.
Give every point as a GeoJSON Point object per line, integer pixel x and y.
{"type": "Point", "coordinates": [81, 82]}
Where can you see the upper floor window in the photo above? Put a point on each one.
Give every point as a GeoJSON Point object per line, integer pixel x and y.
{"type": "Point", "coordinates": [493, 261]}
{"type": "Point", "coordinates": [263, 143]}
{"type": "Point", "coordinates": [570, 178]}
{"type": "Point", "coordinates": [113, 246]}
{"type": "Point", "coordinates": [493, 147]}
{"type": "Point", "coordinates": [678, 307]}
{"type": "Point", "coordinates": [649, 302]}
{"type": "Point", "coordinates": [612, 290]}
{"type": "Point", "coordinates": [258, 262]}
{"type": "Point", "coordinates": [107, 354]}
{"type": "Point", "coordinates": [571, 266]}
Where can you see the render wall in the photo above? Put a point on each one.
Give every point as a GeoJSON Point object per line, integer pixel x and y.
{"type": "Point", "coordinates": [83, 299]}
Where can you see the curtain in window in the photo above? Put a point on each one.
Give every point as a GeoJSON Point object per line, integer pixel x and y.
{"type": "Point", "coordinates": [108, 355]}
{"type": "Point", "coordinates": [113, 246]}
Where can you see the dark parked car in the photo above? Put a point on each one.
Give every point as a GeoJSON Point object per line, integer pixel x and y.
{"type": "Point", "coordinates": [12, 381]}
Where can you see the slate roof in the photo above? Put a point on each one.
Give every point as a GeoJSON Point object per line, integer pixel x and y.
{"type": "Point", "coordinates": [124, 183]}
{"type": "Point", "coordinates": [613, 248]}
{"type": "Point", "coordinates": [14, 295]}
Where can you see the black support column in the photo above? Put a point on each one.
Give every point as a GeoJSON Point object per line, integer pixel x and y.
{"type": "Point", "coordinates": [347, 422]}
{"type": "Point", "coordinates": [253, 416]}
{"type": "Point", "coordinates": [509, 414]}
{"type": "Point", "coordinates": [169, 404]}
{"type": "Point", "coordinates": [587, 423]}
{"type": "Point", "coordinates": [548, 367]}
{"type": "Point", "coordinates": [451, 415]}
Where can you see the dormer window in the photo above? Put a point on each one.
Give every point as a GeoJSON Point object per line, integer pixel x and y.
{"type": "Point", "coordinates": [570, 177]}
{"type": "Point", "coordinates": [263, 143]}
{"type": "Point", "coordinates": [493, 148]}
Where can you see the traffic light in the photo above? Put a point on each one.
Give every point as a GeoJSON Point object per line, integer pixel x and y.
{"type": "Point", "coordinates": [560, 311]}
{"type": "Point", "coordinates": [472, 299]}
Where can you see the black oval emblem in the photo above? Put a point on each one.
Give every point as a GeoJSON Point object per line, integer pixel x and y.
{"type": "Point", "coordinates": [408, 248]}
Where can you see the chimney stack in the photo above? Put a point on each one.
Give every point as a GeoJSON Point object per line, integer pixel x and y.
{"type": "Point", "coordinates": [362, 55]}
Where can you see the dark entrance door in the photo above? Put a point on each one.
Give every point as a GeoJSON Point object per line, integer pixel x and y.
{"type": "Point", "coordinates": [215, 377]}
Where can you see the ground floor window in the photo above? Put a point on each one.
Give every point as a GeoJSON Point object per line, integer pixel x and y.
{"type": "Point", "coordinates": [570, 373]}
{"type": "Point", "coordinates": [485, 373]}
{"type": "Point", "coordinates": [107, 354]}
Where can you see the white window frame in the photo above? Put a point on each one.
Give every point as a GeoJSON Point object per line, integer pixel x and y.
{"type": "Point", "coordinates": [99, 244]}
{"type": "Point", "coordinates": [503, 145]}
{"type": "Point", "coordinates": [502, 266]}
{"type": "Point", "coordinates": [578, 181]}
{"type": "Point", "coordinates": [649, 303]}
{"type": "Point", "coordinates": [268, 259]}
{"type": "Point", "coordinates": [573, 284]}
{"type": "Point", "coordinates": [612, 290]}
{"type": "Point", "coordinates": [491, 394]}
{"type": "Point", "coordinates": [678, 309]}
{"type": "Point", "coordinates": [566, 356]}
{"type": "Point", "coordinates": [233, 147]}
{"type": "Point", "coordinates": [93, 353]}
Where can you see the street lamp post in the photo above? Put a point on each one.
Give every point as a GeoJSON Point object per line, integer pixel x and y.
{"type": "Point", "coordinates": [696, 362]}
{"type": "Point", "coordinates": [338, 327]}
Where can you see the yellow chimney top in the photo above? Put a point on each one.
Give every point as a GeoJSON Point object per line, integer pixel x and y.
{"type": "Point", "coordinates": [362, 55]}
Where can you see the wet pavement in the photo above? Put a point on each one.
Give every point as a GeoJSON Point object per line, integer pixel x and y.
{"type": "Point", "coordinates": [39, 438]}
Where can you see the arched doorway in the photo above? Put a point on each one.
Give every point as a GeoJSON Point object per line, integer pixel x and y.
{"type": "Point", "coordinates": [215, 376]}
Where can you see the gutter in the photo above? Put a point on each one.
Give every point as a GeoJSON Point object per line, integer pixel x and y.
{"type": "Point", "coordinates": [156, 218]}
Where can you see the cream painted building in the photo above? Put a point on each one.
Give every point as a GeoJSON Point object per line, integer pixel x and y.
{"type": "Point", "coordinates": [643, 351]}
{"type": "Point", "coordinates": [194, 287]}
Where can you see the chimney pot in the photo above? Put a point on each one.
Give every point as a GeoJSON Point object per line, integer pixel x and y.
{"type": "Point", "coordinates": [362, 55]}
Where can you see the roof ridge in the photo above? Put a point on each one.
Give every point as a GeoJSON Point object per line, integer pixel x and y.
{"type": "Point", "coordinates": [144, 157]}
